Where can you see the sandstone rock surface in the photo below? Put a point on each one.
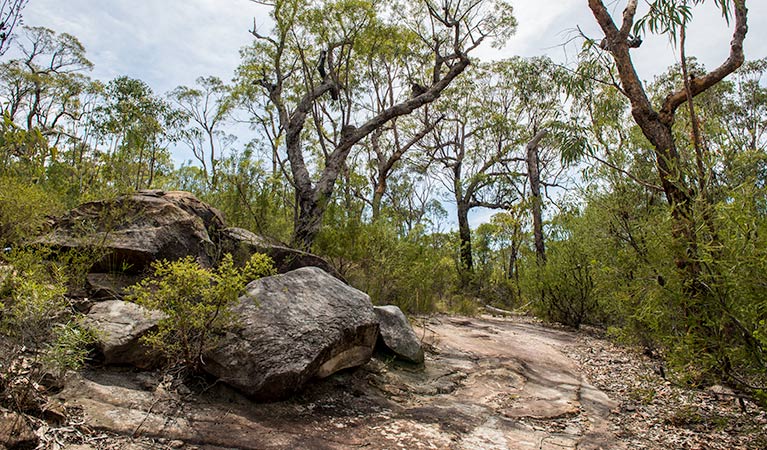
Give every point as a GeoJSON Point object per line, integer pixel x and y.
{"type": "Point", "coordinates": [397, 335]}
{"type": "Point", "coordinates": [487, 384]}
{"type": "Point", "coordinates": [15, 431]}
{"type": "Point", "coordinates": [134, 230]}
{"type": "Point", "coordinates": [291, 328]}
{"type": "Point", "coordinates": [119, 326]}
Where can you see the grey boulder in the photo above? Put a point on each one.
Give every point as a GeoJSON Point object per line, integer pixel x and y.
{"type": "Point", "coordinates": [291, 328]}
{"type": "Point", "coordinates": [397, 335]}
{"type": "Point", "coordinates": [135, 229]}
{"type": "Point", "coordinates": [119, 326]}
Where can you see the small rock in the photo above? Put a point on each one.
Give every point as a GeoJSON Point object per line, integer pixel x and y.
{"type": "Point", "coordinates": [176, 444]}
{"type": "Point", "coordinates": [721, 391]}
{"type": "Point", "coordinates": [118, 326]}
{"type": "Point", "coordinates": [55, 412]}
{"type": "Point", "coordinates": [397, 335]}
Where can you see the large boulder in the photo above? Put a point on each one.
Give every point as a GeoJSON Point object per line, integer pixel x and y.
{"type": "Point", "coordinates": [396, 334]}
{"type": "Point", "coordinates": [291, 328]}
{"type": "Point", "coordinates": [136, 229]}
{"type": "Point", "coordinates": [119, 326]}
{"type": "Point", "coordinates": [242, 243]}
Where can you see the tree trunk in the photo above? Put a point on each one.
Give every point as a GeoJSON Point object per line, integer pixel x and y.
{"type": "Point", "coordinates": [308, 221]}
{"type": "Point", "coordinates": [378, 193]}
{"type": "Point", "coordinates": [657, 128]}
{"type": "Point", "coordinates": [534, 177]}
{"type": "Point", "coordinates": [464, 234]}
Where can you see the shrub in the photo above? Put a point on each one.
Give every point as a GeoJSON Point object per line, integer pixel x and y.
{"type": "Point", "coordinates": [562, 289]}
{"type": "Point", "coordinates": [258, 266]}
{"type": "Point", "coordinates": [37, 337]}
{"type": "Point", "coordinates": [415, 271]}
{"type": "Point", "coordinates": [196, 302]}
{"type": "Point", "coordinates": [23, 210]}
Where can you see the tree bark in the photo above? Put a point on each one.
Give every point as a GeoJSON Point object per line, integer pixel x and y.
{"type": "Point", "coordinates": [464, 235]}
{"type": "Point", "coordinates": [657, 125]}
{"type": "Point", "coordinates": [536, 203]}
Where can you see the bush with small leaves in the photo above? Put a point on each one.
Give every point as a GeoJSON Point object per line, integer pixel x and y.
{"type": "Point", "coordinates": [37, 335]}
{"type": "Point", "coordinates": [196, 302]}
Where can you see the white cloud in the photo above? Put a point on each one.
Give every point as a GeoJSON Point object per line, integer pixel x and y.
{"type": "Point", "coordinates": [165, 43]}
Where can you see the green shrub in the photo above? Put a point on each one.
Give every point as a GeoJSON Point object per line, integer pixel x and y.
{"type": "Point", "coordinates": [415, 271]}
{"type": "Point", "coordinates": [196, 302]}
{"type": "Point", "coordinates": [24, 208]}
{"type": "Point", "coordinates": [562, 289]}
{"type": "Point", "coordinates": [37, 337]}
{"type": "Point", "coordinates": [258, 266]}
{"type": "Point", "coordinates": [69, 348]}
{"type": "Point", "coordinates": [462, 306]}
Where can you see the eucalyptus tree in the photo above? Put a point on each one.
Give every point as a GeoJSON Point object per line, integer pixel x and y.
{"type": "Point", "coordinates": [206, 108]}
{"type": "Point", "coordinates": [41, 88]}
{"type": "Point", "coordinates": [472, 149]}
{"type": "Point", "coordinates": [387, 146]}
{"type": "Point", "coordinates": [671, 17]}
{"type": "Point", "coordinates": [42, 84]}
{"type": "Point", "coordinates": [312, 68]}
{"type": "Point", "coordinates": [708, 316]}
{"type": "Point", "coordinates": [386, 149]}
{"type": "Point", "coordinates": [10, 18]}
{"type": "Point", "coordinates": [45, 73]}
{"type": "Point", "coordinates": [133, 123]}
{"type": "Point", "coordinates": [411, 202]}
{"type": "Point", "coordinates": [537, 92]}
{"type": "Point", "coordinates": [734, 125]}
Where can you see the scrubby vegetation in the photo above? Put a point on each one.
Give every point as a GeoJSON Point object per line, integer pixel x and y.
{"type": "Point", "coordinates": [196, 303]}
{"type": "Point", "coordinates": [40, 339]}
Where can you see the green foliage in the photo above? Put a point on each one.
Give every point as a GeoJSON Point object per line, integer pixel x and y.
{"type": "Point", "coordinates": [258, 266]}
{"type": "Point", "coordinates": [24, 210]}
{"type": "Point", "coordinates": [670, 16]}
{"type": "Point", "coordinates": [35, 338]}
{"type": "Point", "coordinates": [23, 153]}
{"type": "Point", "coordinates": [33, 292]}
{"type": "Point", "coordinates": [416, 272]}
{"type": "Point", "coordinates": [462, 305]}
{"type": "Point", "coordinates": [562, 289]}
{"type": "Point", "coordinates": [196, 302]}
{"type": "Point", "coordinates": [69, 348]}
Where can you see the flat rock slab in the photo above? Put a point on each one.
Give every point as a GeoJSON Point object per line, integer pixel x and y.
{"type": "Point", "coordinates": [486, 384]}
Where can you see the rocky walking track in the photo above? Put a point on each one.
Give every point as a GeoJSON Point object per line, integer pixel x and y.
{"type": "Point", "coordinates": [487, 383]}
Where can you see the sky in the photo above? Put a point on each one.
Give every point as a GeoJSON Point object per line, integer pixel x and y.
{"type": "Point", "coordinates": [168, 43]}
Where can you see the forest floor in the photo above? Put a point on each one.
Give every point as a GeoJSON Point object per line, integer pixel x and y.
{"type": "Point", "coordinates": [488, 383]}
